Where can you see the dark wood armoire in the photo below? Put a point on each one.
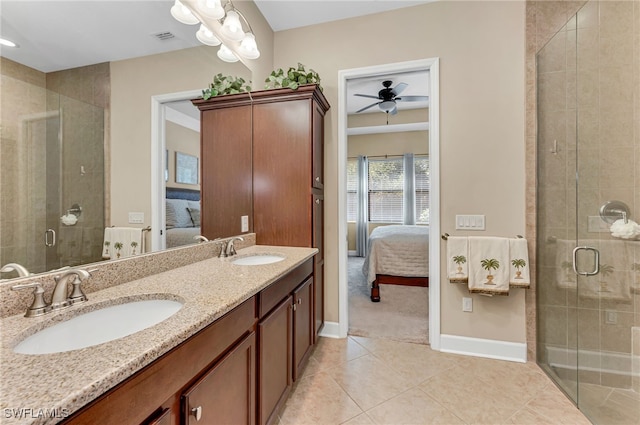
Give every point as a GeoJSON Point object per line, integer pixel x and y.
{"type": "Point", "coordinates": [262, 156]}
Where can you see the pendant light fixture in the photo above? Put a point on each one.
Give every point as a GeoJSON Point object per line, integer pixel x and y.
{"type": "Point", "coordinates": [220, 25]}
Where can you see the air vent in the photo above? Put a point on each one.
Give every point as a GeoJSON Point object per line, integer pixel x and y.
{"type": "Point", "coordinates": [163, 36]}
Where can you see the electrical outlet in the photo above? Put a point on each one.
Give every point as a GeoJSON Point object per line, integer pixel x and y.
{"type": "Point", "coordinates": [611, 317]}
{"type": "Point", "coordinates": [467, 304]}
{"type": "Point", "coordinates": [244, 223]}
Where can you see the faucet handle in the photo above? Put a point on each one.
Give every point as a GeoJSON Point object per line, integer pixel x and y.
{"type": "Point", "coordinates": [38, 306]}
{"type": "Point", "coordinates": [223, 249]}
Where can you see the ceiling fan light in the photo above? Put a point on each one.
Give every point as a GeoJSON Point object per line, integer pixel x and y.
{"type": "Point", "coordinates": [248, 47]}
{"type": "Point", "coordinates": [205, 36]}
{"type": "Point", "coordinates": [7, 43]}
{"type": "Point", "coordinates": [211, 8]}
{"type": "Point", "coordinates": [225, 54]}
{"type": "Point", "coordinates": [232, 28]}
{"type": "Point", "coordinates": [183, 14]}
{"type": "Point", "coordinates": [387, 105]}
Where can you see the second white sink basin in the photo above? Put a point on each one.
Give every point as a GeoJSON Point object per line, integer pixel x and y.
{"type": "Point", "coordinates": [98, 326]}
{"type": "Point", "coordinates": [257, 260]}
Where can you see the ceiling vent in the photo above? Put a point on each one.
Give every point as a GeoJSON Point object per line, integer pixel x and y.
{"type": "Point", "coordinates": [165, 35]}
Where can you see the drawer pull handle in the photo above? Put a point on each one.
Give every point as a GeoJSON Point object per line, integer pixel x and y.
{"type": "Point", "coordinates": [197, 412]}
{"type": "Point", "coordinates": [299, 300]}
{"type": "Point", "coordinates": [318, 201]}
{"type": "Point", "coordinates": [318, 179]}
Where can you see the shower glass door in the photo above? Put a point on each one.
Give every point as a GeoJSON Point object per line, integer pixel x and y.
{"type": "Point", "coordinates": [588, 195]}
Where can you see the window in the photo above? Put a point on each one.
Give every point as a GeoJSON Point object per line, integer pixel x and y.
{"type": "Point", "coordinates": [386, 181]}
{"type": "Point", "coordinates": [352, 189]}
{"type": "Point", "coordinates": [385, 190]}
{"type": "Point", "coordinates": [423, 182]}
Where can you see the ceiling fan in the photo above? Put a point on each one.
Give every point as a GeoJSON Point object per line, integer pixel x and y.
{"type": "Point", "coordinates": [387, 98]}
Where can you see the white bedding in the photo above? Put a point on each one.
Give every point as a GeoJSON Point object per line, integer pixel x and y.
{"type": "Point", "coordinates": [397, 250]}
{"type": "Point", "coordinates": [179, 236]}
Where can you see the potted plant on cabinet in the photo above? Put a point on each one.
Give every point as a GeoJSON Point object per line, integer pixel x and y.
{"type": "Point", "coordinates": [293, 78]}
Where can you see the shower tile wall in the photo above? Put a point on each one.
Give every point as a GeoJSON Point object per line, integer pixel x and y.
{"type": "Point", "coordinates": [83, 96]}
{"type": "Point", "coordinates": [603, 86]}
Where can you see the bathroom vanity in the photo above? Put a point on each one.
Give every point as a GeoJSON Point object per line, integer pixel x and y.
{"type": "Point", "coordinates": [229, 355]}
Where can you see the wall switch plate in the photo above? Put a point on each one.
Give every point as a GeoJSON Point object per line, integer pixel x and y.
{"type": "Point", "coordinates": [470, 222]}
{"type": "Point", "coordinates": [136, 218]}
{"type": "Point", "coordinates": [244, 223]}
{"type": "Point", "coordinates": [611, 317]}
{"type": "Point", "coordinates": [467, 304]}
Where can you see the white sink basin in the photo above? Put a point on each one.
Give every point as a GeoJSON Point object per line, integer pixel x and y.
{"type": "Point", "coordinates": [257, 260]}
{"type": "Point", "coordinates": [98, 326]}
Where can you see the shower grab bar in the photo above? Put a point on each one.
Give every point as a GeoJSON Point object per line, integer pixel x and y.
{"type": "Point", "coordinates": [597, 260]}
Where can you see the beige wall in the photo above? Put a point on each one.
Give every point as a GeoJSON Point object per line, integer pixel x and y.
{"type": "Point", "coordinates": [133, 83]}
{"type": "Point", "coordinates": [184, 140]}
{"type": "Point", "coordinates": [481, 51]}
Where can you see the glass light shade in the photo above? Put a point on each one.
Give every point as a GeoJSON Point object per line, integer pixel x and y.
{"type": "Point", "coordinates": [182, 14]}
{"type": "Point", "coordinates": [387, 105]}
{"type": "Point", "coordinates": [8, 43]}
{"type": "Point", "coordinates": [207, 37]}
{"type": "Point", "coordinates": [248, 48]}
{"type": "Point", "coordinates": [232, 28]}
{"type": "Point", "coordinates": [211, 8]}
{"type": "Point", "coordinates": [226, 54]}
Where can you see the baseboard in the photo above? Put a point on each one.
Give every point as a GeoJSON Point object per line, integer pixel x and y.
{"type": "Point", "coordinates": [489, 348]}
{"type": "Point", "coordinates": [330, 330]}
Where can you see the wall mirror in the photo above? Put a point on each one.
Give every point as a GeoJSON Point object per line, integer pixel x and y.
{"type": "Point", "coordinates": [75, 127]}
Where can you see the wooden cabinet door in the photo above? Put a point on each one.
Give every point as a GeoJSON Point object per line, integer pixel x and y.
{"type": "Point", "coordinates": [226, 393]}
{"type": "Point", "coordinates": [303, 325]}
{"type": "Point", "coordinates": [226, 183]}
{"type": "Point", "coordinates": [274, 360]}
{"type": "Point", "coordinates": [282, 173]}
{"type": "Point", "coordinates": [318, 299]}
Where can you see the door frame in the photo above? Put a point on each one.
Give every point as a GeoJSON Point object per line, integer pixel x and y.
{"type": "Point", "coordinates": [158, 163]}
{"type": "Point", "coordinates": [432, 65]}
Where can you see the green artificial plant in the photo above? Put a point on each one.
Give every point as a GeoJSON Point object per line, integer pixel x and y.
{"type": "Point", "coordinates": [293, 78]}
{"type": "Point", "coordinates": [225, 84]}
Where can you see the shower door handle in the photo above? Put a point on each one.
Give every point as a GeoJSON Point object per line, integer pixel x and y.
{"type": "Point", "coordinates": [596, 269]}
{"type": "Point", "coordinates": [50, 241]}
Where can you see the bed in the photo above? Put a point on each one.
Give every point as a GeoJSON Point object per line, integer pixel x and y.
{"type": "Point", "coordinates": [397, 255]}
{"type": "Point", "coordinates": [182, 216]}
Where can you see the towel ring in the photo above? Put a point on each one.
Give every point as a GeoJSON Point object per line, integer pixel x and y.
{"type": "Point", "coordinates": [611, 211]}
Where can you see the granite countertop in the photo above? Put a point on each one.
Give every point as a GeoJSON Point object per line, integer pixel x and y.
{"type": "Point", "coordinates": [37, 387]}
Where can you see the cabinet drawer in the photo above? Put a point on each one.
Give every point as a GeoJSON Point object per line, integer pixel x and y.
{"type": "Point", "coordinates": [280, 289]}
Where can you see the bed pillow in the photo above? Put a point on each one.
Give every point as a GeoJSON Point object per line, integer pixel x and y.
{"type": "Point", "coordinates": [195, 216]}
{"type": "Point", "coordinates": [177, 214]}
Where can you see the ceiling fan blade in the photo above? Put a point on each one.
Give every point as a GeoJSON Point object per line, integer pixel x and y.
{"type": "Point", "coordinates": [367, 107]}
{"type": "Point", "coordinates": [366, 95]}
{"type": "Point", "coordinates": [399, 88]}
{"type": "Point", "coordinates": [413, 98]}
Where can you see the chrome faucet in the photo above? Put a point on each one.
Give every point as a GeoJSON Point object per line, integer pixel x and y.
{"type": "Point", "coordinates": [10, 267]}
{"type": "Point", "coordinates": [201, 238]}
{"type": "Point", "coordinates": [231, 249]}
{"type": "Point", "coordinates": [61, 297]}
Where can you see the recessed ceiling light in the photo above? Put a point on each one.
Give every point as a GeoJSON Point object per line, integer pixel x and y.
{"type": "Point", "coordinates": [8, 43]}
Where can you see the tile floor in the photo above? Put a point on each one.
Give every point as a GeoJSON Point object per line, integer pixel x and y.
{"type": "Point", "coordinates": [377, 381]}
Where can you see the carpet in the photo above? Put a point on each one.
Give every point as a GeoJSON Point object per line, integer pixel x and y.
{"type": "Point", "coordinates": [401, 315]}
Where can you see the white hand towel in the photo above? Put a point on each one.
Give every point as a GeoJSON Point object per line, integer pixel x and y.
{"type": "Point", "coordinates": [123, 242]}
{"type": "Point", "coordinates": [519, 275]}
{"type": "Point", "coordinates": [457, 259]}
{"type": "Point", "coordinates": [489, 265]}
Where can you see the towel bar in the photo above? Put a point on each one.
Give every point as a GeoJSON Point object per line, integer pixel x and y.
{"type": "Point", "coordinates": [445, 236]}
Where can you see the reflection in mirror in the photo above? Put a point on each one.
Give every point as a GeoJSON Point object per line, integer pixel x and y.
{"type": "Point", "coordinates": [182, 185]}
{"type": "Point", "coordinates": [75, 131]}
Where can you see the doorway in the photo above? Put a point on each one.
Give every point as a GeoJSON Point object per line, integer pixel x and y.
{"type": "Point", "coordinates": [344, 76]}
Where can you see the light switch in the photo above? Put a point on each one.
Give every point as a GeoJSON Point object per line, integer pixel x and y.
{"type": "Point", "coordinates": [136, 218]}
{"type": "Point", "coordinates": [470, 222]}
